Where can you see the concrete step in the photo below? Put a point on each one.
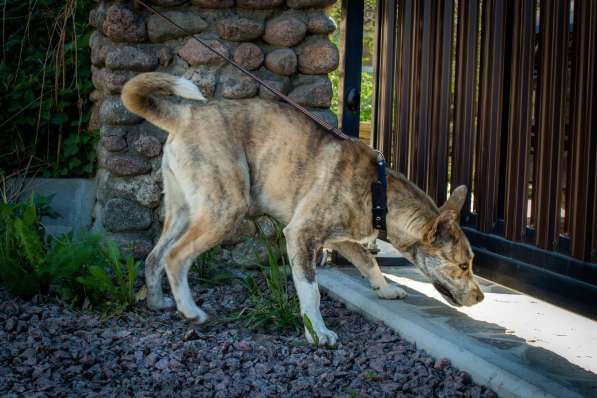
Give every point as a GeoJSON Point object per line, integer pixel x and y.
{"type": "Point", "coordinates": [512, 343]}
{"type": "Point", "coordinates": [72, 198]}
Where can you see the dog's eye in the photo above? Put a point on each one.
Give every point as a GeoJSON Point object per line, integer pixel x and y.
{"type": "Point", "coordinates": [463, 266]}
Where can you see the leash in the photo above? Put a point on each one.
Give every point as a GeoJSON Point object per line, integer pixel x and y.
{"type": "Point", "coordinates": [378, 188]}
{"type": "Point", "coordinates": [325, 125]}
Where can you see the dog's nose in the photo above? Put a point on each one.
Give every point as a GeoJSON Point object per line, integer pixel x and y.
{"type": "Point", "coordinates": [480, 296]}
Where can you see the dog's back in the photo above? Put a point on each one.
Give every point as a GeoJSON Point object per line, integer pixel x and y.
{"type": "Point", "coordinates": [275, 153]}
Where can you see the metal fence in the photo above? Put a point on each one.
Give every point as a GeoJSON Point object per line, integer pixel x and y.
{"type": "Point", "coordinates": [499, 96]}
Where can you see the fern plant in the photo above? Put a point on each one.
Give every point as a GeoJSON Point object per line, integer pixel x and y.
{"type": "Point", "coordinates": [79, 267]}
{"type": "Point", "coordinates": [22, 254]}
{"type": "Point", "coordinates": [110, 284]}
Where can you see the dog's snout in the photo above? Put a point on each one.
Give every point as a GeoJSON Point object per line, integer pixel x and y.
{"type": "Point", "coordinates": [480, 296]}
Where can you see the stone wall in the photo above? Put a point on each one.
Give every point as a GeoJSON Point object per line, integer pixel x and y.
{"type": "Point", "coordinates": [284, 42]}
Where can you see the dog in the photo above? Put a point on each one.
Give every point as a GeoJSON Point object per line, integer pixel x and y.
{"type": "Point", "coordinates": [225, 160]}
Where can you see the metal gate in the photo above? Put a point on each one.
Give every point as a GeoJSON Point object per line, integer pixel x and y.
{"type": "Point", "coordinates": [499, 95]}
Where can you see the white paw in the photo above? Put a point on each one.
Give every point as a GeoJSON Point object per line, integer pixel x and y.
{"type": "Point", "coordinates": [325, 337]}
{"type": "Point", "coordinates": [391, 292]}
{"type": "Point", "coordinates": [163, 303]}
{"type": "Point", "coordinates": [195, 315]}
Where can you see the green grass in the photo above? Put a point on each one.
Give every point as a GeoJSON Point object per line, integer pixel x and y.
{"type": "Point", "coordinates": [270, 304]}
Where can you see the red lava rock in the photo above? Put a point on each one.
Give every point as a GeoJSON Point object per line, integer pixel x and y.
{"type": "Point", "coordinates": [243, 346]}
{"type": "Point", "coordinates": [441, 363]}
{"type": "Point", "coordinates": [65, 352]}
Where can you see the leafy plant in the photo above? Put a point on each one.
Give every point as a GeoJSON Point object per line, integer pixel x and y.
{"type": "Point", "coordinates": [45, 82]}
{"type": "Point", "coordinates": [110, 284]}
{"type": "Point", "coordinates": [272, 305]}
{"type": "Point", "coordinates": [79, 267]}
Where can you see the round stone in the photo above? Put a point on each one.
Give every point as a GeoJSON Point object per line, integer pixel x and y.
{"type": "Point", "coordinates": [236, 84]}
{"type": "Point", "coordinates": [280, 83]}
{"type": "Point", "coordinates": [320, 23]}
{"type": "Point", "coordinates": [239, 28]}
{"type": "Point", "coordinates": [148, 146]}
{"type": "Point", "coordinates": [285, 30]}
{"type": "Point", "coordinates": [317, 93]}
{"type": "Point", "coordinates": [196, 53]}
{"type": "Point", "coordinates": [143, 189]}
{"type": "Point", "coordinates": [167, 3]}
{"type": "Point", "coordinates": [259, 4]}
{"type": "Point", "coordinates": [213, 3]}
{"type": "Point", "coordinates": [160, 30]}
{"type": "Point", "coordinates": [131, 58]}
{"type": "Point", "coordinates": [108, 80]}
{"type": "Point", "coordinates": [125, 215]}
{"type": "Point", "coordinates": [123, 25]}
{"type": "Point", "coordinates": [99, 46]}
{"type": "Point", "coordinates": [205, 77]}
{"type": "Point", "coordinates": [309, 3]}
{"type": "Point", "coordinates": [113, 112]}
{"type": "Point", "coordinates": [248, 55]}
{"type": "Point", "coordinates": [281, 61]}
{"type": "Point", "coordinates": [123, 164]}
{"type": "Point", "coordinates": [317, 55]}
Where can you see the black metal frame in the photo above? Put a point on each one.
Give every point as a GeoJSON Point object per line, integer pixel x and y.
{"type": "Point", "coordinates": [353, 13]}
{"type": "Point", "coordinates": [548, 275]}
{"type": "Point", "coordinates": [502, 249]}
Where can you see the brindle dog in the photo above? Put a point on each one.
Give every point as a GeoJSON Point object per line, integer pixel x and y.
{"type": "Point", "coordinates": [226, 160]}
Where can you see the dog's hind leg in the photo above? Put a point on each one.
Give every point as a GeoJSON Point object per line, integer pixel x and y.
{"type": "Point", "coordinates": [175, 224]}
{"type": "Point", "coordinates": [206, 229]}
{"type": "Point", "coordinates": [368, 267]}
{"type": "Point", "coordinates": [302, 255]}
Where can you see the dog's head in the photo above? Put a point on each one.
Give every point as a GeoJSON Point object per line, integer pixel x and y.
{"type": "Point", "coordinates": [444, 254]}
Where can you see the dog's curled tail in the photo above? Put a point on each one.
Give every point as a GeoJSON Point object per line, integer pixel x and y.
{"type": "Point", "coordinates": [141, 95]}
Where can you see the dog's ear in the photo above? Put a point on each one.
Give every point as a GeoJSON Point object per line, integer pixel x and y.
{"type": "Point", "coordinates": [455, 201]}
{"type": "Point", "coordinates": [440, 228]}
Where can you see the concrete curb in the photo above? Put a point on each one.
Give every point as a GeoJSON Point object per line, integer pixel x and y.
{"type": "Point", "coordinates": [506, 377]}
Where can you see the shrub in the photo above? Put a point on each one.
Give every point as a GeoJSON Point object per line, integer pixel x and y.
{"type": "Point", "coordinates": [78, 267]}
{"type": "Point", "coordinates": [45, 82]}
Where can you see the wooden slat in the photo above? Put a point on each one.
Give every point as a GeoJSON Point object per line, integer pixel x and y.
{"type": "Point", "coordinates": [384, 72]}
{"type": "Point", "coordinates": [420, 86]}
{"type": "Point", "coordinates": [519, 119]}
{"type": "Point", "coordinates": [491, 97]}
{"type": "Point", "coordinates": [582, 206]}
{"type": "Point", "coordinates": [403, 86]}
{"type": "Point", "coordinates": [440, 114]}
{"type": "Point", "coordinates": [551, 115]}
{"type": "Point", "coordinates": [464, 104]}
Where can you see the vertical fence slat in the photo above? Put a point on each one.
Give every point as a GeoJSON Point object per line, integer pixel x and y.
{"type": "Point", "coordinates": [440, 114]}
{"type": "Point", "coordinates": [464, 123]}
{"type": "Point", "coordinates": [519, 119]}
{"type": "Point", "coordinates": [491, 96]}
{"type": "Point", "coordinates": [550, 122]}
{"type": "Point", "coordinates": [420, 82]}
{"type": "Point", "coordinates": [403, 88]}
{"type": "Point", "coordinates": [384, 72]}
{"type": "Point", "coordinates": [582, 206]}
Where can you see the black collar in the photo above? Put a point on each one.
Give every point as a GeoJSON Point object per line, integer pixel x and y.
{"type": "Point", "coordinates": [379, 197]}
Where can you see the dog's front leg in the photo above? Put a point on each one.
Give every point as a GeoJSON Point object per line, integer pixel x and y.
{"type": "Point", "coordinates": [368, 267]}
{"type": "Point", "coordinates": [301, 253]}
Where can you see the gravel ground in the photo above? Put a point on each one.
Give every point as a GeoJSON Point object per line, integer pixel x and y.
{"type": "Point", "coordinates": [49, 349]}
